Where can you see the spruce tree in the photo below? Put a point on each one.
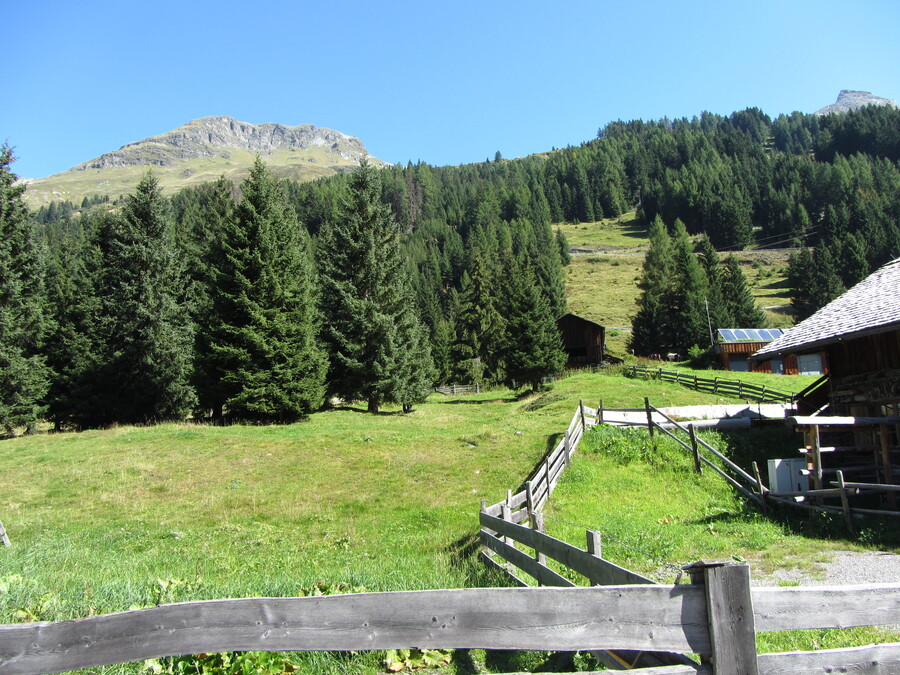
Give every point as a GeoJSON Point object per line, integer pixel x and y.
{"type": "Point", "coordinates": [480, 327]}
{"type": "Point", "coordinates": [650, 327]}
{"type": "Point", "coordinates": [685, 302]}
{"type": "Point", "coordinates": [719, 311]}
{"type": "Point", "coordinates": [214, 273]}
{"type": "Point", "coordinates": [533, 348]}
{"type": "Point", "coordinates": [736, 296]}
{"type": "Point", "coordinates": [374, 339]}
{"type": "Point", "coordinates": [146, 331]}
{"type": "Point", "coordinates": [265, 362]}
{"type": "Point", "coordinates": [24, 377]}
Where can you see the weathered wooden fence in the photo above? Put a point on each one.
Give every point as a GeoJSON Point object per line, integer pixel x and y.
{"type": "Point", "coordinates": [718, 385]}
{"type": "Point", "coordinates": [458, 389]}
{"type": "Point", "coordinates": [513, 531]}
{"type": "Point", "coordinates": [717, 617]}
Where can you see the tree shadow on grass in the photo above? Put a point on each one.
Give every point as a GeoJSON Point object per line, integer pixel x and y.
{"type": "Point", "coordinates": [380, 413]}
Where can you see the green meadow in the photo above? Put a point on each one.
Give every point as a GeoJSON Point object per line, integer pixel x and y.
{"type": "Point", "coordinates": [103, 521]}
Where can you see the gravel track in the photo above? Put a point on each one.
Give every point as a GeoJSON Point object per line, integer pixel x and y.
{"type": "Point", "coordinates": [846, 568]}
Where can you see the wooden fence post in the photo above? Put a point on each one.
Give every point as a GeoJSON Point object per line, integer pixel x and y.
{"type": "Point", "coordinates": [3, 538]}
{"type": "Point", "coordinates": [649, 416]}
{"type": "Point", "coordinates": [845, 505]}
{"type": "Point", "coordinates": [506, 513]}
{"type": "Point", "coordinates": [594, 547]}
{"type": "Point", "coordinates": [697, 465]}
{"type": "Point", "coordinates": [886, 463]}
{"type": "Point", "coordinates": [529, 501]}
{"type": "Point", "coordinates": [566, 449]}
{"type": "Point", "coordinates": [539, 527]}
{"type": "Point", "coordinates": [547, 475]}
{"type": "Point", "coordinates": [600, 412]}
{"type": "Point", "coordinates": [732, 631]}
{"type": "Point", "coordinates": [581, 410]}
{"type": "Point", "coordinates": [762, 488]}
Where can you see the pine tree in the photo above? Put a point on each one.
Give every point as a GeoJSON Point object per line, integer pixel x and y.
{"type": "Point", "coordinates": [801, 280]}
{"type": "Point", "coordinates": [24, 377]}
{"type": "Point", "coordinates": [374, 340]}
{"type": "Point", "coordinates": [265, 362]}
{"type": "Point", "coordinates": [736, 296]}
{"type": "Point", "coordinates": [650, 330]}
{"type": "Point", "coordinates": [720, 314]}
{"type": "Point", "coordinates": [213, 271]}
{"type": "Point", "coordinates": [147, 334]}
{"type": "Point", "coordinates": [533, 348]}
{"type": "Point", "coordinates": [685, 302]}
{"type": "Point", "coordinates": [480, 327]}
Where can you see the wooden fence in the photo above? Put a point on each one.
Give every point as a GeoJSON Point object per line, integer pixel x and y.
{"type": "Point", "coordinates": [513, 530]}
{"type": "Point", "coordinates": [716, 616]}
{"type": "Point", "coordinates": [718, 385]}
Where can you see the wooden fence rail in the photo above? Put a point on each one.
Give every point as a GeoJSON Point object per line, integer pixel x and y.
{"type": "Point", "coordinates": [717, 617]}
{"type": "Point", "coordinates": [718, 385]}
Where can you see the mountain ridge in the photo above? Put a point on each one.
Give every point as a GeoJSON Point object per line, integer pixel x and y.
{"type": "Point", "coordinates": [849, 99]}
{"type": "Point", "coordinates": [211, 136]}
{"type": "Point", "coordinates": [200, 151]}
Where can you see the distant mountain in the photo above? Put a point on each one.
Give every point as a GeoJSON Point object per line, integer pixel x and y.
{"type": "Point", "coordinates": [201, 151]}
{"type": "Point", "coordinates": [851, 100]}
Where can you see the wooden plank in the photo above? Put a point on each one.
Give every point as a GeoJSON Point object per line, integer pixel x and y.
{"type": "Point", "coordinates": [4, 538]}
{"type": "Point", "coordinates": [731, 628]}
{"type": "Point", "coordinates": [544, 575]}
{"type": "Point", "coordinates": [493, 564]}
{"type": "Point", "coordinates": [877, 487]}
{"type": "Point", "coordinates": [870, 660]}
{"type": "Point", "coordinates": [554, 619]}
{"type": "Point", "coordinates": [574, 558]}
{"type": "Point", "coordinates": [740, 488]}
{"type": "Point", "coordinates": [826, 606]}
{"type": "Point", "coordinates": [840, 421]}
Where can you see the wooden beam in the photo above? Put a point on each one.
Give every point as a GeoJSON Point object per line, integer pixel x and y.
{"type": "Point", "coordinates": [731, 625]}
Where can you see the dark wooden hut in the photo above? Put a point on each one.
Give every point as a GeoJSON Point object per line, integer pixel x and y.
{"type": "Point", "coordinates": [583, 340]}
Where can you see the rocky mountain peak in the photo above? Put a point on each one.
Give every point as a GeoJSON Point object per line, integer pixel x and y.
{"type": "Point", "coordinates": [216, 136]}
{"type": "Point", "coordinates": [849, 100]}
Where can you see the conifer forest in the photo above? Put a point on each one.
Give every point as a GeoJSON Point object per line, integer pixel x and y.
{"type": "Point", "coordinates": [262, 301]}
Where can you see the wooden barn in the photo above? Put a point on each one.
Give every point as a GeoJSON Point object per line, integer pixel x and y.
{"type": "Point", "coordinates": [859, 333]}
{"type": "Point", "coordinates": [583, 340]}
{"type": "Point", "coordinates": [735, 346]}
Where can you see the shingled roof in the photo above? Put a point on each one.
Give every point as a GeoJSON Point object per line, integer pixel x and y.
{"type": "Point", "coordinates": [870, 307]}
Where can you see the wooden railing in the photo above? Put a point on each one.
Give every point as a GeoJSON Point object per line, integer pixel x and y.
{"type": "Point", "coordinates": [716, 616]}
{"type": "Point", "coordinates": [718, 385]}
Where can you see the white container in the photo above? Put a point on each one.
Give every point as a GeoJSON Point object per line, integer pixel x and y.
{"type": "Point", "coordinates": [786, 475]}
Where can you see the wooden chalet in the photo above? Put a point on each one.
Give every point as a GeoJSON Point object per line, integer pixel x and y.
{"type": "Point", "coordinates": [735, 346]}
{"type": "Point", "coordinates": [852, 438]}
{"type": "Point", "coordinates": [859, 333]}
{"type": "Point", "coordinates": [583, 340]}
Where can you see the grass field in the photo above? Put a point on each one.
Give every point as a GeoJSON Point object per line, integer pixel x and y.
{"type": "Point", "coordinates": [602, 280]}
{"type": "Point", "coordinates": [106, 520]}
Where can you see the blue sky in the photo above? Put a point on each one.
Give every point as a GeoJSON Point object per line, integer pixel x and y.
{"type": "Point", "coordinates": [444, 82]}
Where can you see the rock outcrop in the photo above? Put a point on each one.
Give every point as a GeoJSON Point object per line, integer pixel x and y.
{"type": "Point", "coordinates": [216, 136]}
{"type": "Point", "coordinates": [851, 100]}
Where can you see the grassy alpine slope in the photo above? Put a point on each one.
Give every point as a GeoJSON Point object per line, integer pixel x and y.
{"type": "Point", "coordinates": [602, 280]}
